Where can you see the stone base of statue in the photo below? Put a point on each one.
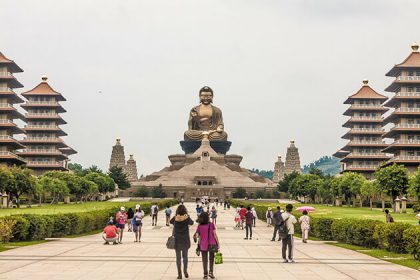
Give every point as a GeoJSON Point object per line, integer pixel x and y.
{"type": "Point", "coordinates": [190, 146]}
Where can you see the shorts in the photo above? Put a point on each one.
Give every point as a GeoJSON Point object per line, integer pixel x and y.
{"type": "Point", "coordinates": [121, 226]}
{"type": "Point", "coordinates": [139, 223]}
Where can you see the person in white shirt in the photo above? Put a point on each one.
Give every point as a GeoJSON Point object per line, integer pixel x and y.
{"type": "Point", "coordinates": [154, 213]}
{"type": "Point", "coordinates": [304, 221]}
{"type": "Point", "coordinates": [269, 216]}
{"type": "Point", "coordinates": [254, 214]}
{"type": "Point", "coordinates": [287, 240]}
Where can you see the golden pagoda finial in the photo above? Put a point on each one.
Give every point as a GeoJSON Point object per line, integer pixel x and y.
{"type": "Point", "coordinates": [44, 78]}
{"type": "Point", "coordinates": [415, 47]}
{"type": "Point", "coordinates": [365, 82]}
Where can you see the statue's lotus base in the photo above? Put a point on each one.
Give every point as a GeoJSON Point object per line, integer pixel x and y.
{"type": "Point", "coordinates": [190, 146]}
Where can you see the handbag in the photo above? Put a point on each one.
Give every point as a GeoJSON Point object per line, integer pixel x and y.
{"type": "Point", "coordinates": [170, 243]}
{"type": "Point", "coordinates": [218, 258]}
{"type": "Point", "coordinates": [212, 248]}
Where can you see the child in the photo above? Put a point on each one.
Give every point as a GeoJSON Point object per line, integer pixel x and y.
{"type": "Point", "coordinates": [237, 219]}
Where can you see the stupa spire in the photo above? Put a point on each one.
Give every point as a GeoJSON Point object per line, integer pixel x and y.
{"type": "Point", "coordinates": [117, 155]}
{"type": "Point", "coordinates": [131, 169]}
{"type": "Point", "coordinates": [292, 159]}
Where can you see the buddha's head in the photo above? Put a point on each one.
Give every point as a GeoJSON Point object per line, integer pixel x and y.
{"type": "Point", "coordinates": [206, 95]}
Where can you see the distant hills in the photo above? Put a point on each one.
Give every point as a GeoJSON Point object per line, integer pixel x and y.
{"type": "Point", "coordinates": [264, 173]}
{"type": "Point", "coordinates": [328, 165]}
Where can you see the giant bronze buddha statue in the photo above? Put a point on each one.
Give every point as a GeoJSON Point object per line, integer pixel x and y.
{"type": "Point", "coordinates": [205, 119]}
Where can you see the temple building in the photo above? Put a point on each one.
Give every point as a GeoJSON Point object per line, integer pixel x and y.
{"type": "Point", "coordinates": [363, 153]}
{"type": "Point", "coordinates": [8, 113]}
{"type": "Point", "coordinates": [279, 170]}
{"type": "Point", "coordinates": [117, 155]}
{"type": "Point", "coordinates": [45, 150]}
{"type": "Point", "coordinates": [292, 163]}
{"type": "Point", "coordinates": [406, 115]}
{"type": "Point", "coordinates": [131, 169]}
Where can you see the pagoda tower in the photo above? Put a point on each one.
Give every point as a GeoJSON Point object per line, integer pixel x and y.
{"type": "Point", "coordinates": [131, 169]}
{"type": "Point", "coordinates": [292, 159]}
{"type": "Point", "coordinates": [117, 155]}
{"type": "Point", "coordinates": [45, 150]}
{"type": "Point", "coordinates": [363, 153]}
{"type": "Point", "coordinates": [406, 115]}
{"type": "Point", "coordinates": [8, 113]}
{"type": "Point", "coordinates": [279, 169]}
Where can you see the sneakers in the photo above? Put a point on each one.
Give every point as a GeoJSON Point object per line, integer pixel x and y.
{"type": "Point", "coordinates": [186, 274]}
{"type": "Point", "coordinates": [106, 243]}
{"type": "Point", "coordinates": [292, 260]}
{"type": "Point", "coordinates": [285, 261]}
{"type": "Point", "coordinates": [272, 240]}
{"type": "Point", "coordinates": [246, 238]}
{"type": "Point", "coordinates": [211, 275]}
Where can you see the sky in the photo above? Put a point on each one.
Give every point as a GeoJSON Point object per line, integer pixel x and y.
{"type": "Point", "coordinates": [280, 70]}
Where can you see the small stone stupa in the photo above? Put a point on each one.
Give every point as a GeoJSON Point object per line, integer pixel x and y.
{"type": "Point", "coordinates": [131, 169]}
{"type": "Point", "coordinates": [117, 156]}
{"type": "Point", "coordinates": [279, 170]}
{"type": "Point", "coordinates": [292, 159]}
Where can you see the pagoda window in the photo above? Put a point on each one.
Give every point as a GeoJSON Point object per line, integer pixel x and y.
{"type": "Point", "coordinates": [199, 183]}
{"type": "Point", "coordinates": [210, 183]}
{"type": "Point", "coordinates": [205, 183]}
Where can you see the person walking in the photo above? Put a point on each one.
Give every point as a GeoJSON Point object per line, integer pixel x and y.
{"type": "Point", "coordinates": [209, 244]}
{"type": "Point", "coordinates": [242, 213]}
{"type": "Point", "coordinates": [138, 222]}
{"type": "Point", "coordinates": [130, 215]}
{"type": "Point", "coordinates": [213, 215]}
{"type": "Point", "coordinates": [305, 225]}
{"type": "Point", "coordinates": [388, 217]}
{"type": "Point", "coordinates": [168, 213]}
{"type": "Point", "coordinates": [269, 216]}
{"type": "Point", "coordinates": [254, 214]}
{"type": "Point", "coordinates": [181, 222]}
{"type": "Point", "coordinates": [110, 233]}
{"type": "Point", "coordinates": [287, 241]}
{"type": "Point", "coordinates": [249, 217]}
{"type": "Point", "coordinates": [121, 218]}
{"type": "Point", "coordinates": [277, 216]}
{"type": "Point", "coordinates": [198, 210]}
{"type": "Point", "coordinates": [154, 210]}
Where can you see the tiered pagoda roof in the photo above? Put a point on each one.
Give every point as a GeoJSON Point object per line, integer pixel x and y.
{"type": "Point", "coordinates": [45, 148]}
{"type": "Point", "coordinates": [8, 112]}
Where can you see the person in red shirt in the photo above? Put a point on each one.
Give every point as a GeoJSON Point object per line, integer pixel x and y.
{"type": "Point", "coordinates": [110, 234]}
{"type": "Point", "coordinates": [242, 213]}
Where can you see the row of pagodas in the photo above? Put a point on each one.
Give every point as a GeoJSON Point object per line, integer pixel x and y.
{"type": "Point", "coordinates": [43, 148]}
{"type": "Point", "coordinates": [118, 159]}
{"type": "Point", "coordinates": [292, 163]}
{"type": "Point", "coordinates": [367, 150]}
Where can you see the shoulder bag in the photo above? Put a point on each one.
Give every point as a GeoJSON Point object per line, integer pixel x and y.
{"type": "Point", "coordinates": [170, 243]}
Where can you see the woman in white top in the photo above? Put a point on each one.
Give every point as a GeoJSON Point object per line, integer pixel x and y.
{"type": "Point", "coordinates": [269, 216]}
{"type": "Point", "coordinates": [305, 226]}
{"type": "Point", "coordinates": [138, 223]}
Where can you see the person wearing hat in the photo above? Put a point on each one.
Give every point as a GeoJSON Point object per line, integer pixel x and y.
{"type": "Point", "coordinates": [269, 216]}
{"type": "Point", "coordinates": [137, 223]}
{"type": "Point", "coordinates": [110, 233]}
{"type": "Point", "coordinates": [277, 222]}
{"type": "Point", "coordinates": [287, 241]}
{"type": "Point", "coordinates": [121, 220]}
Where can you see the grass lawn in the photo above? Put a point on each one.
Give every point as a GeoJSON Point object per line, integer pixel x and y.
{"type": "Point", "coordinates": [401, 259]}
{"type": "Point", "coordinates": [46, 209]}
{"type": "Point", "coordinates": [13, 245]}
{"type": "Point", "coordinates": [350, 212]}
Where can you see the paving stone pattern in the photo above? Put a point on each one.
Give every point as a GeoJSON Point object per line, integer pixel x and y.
{"type": "Point", "coordinates": [87, 258]}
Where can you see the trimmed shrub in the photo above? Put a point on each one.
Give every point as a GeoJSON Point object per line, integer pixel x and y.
{"type": "Point", "coordinates": [411, 237]}
{"type": "Point", "coordinates": [20, 229]}
{"type": "Point", "coordinates": [390, 236]}
{"type": "Point", "coordinates": [321, 228]}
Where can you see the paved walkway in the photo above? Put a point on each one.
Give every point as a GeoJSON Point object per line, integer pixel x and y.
{"type": "Point", "coordinates": [87, 258]}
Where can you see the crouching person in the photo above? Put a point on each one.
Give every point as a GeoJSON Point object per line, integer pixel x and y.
{"type": "Point", "coordinates": [110, 234]}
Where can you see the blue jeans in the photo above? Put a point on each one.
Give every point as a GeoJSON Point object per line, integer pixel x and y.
{"type": "Point", "coordinates": [184, 258]}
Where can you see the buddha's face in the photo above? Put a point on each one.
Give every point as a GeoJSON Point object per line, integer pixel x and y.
{"type": "Point", "coordinates": [206, 97]}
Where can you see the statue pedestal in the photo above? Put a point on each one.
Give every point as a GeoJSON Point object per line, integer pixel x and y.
{"type": "Point", "coordinates": [190, 146]}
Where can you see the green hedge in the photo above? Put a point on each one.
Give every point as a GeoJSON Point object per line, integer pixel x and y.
{"type": "Point", "coordinates": [394, 237]}
{"type": "Point", "coordinates": [38, 227]}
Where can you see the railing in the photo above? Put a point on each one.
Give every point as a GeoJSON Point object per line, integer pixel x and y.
{"type": "Point", "coordinates": [366, 142]}
{"type": "Point", "coordinates": [5, 89]}
{"type": "Point", "coordinates": [3, 153]}
{"type": "Point", "coordinates": [406, 93]}
{"type": "Point", "coordinates": [42, 139]}
{"type": "Point", "coordinates": [41, 151]}
{"type": "Point", "coordinates": [6, 121]}
{"type": "Point", "coordinates": [6, 137]}
{"type": "Point", "coordinates": [407, 125]}
{"type": "Point", "coordinates": [6, 74]}
{"type": "Point", "coordinates": [406, 109]}
{"type": "Point", "coordinates": [368, 154]}
{"type": "Point", "coordinates": [28, 115]}
{"type": "Point", "coordinates": [357, 118]}
{"type": "Point", "coordinates": [405, 158]}
{"type": "Point", "coordinates": [6, 105]}
{"type": "Point", "coordinates": [41, 103]}
{"type": "Point", "coordinates": [408, 78]}
{"type": "Point", "coordinates": [406, 141]}
{"type": "Point", "coordinates": [52, 163]}
{"type": "Point", "coordinates": [41, 126]}
{"type": "Point", "coordinates": [364, 129]}
{"type": "Point", "coordinates": [362, 166]}
{"type": "Point", "coordinates": [373, 106]}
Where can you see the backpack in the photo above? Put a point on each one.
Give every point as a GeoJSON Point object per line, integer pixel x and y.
{"type": "Point", "coordinates": [268, 215]}
{"type": "Point", "coordinates": [155, 210]}
{"type": "Point", "coordinates": [283, 230]}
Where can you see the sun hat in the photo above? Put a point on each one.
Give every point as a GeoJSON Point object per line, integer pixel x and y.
{"type": "Point", "coordinates": [122, 208]}
{"type": "Point", "coordinates": [137, 206]}
{"type": "Point", "coordinates": [269, 208]}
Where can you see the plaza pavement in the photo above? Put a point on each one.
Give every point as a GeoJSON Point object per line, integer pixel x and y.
{"type": "Point", "coordinates": [87, 258]}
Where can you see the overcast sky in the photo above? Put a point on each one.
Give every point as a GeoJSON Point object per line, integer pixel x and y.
{"type": "Point", "coordinates": [280, 70]}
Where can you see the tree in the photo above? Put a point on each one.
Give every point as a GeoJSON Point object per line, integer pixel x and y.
{"type": "Point", "coordinates": [316, 171]}
{"type": "Point", "coordinates": [392, 180]}
{"type": "Point", "coordinates": [119, 177]}
{"type": "Point", "coordinates": [350, 185]}
{"type": "Point", "coordinates": [284, 184]}
{"type": "Point", "coordinates": [6, 178]}
{"type": "Point", "coordinates": [104, 182]}
{"type": "Point", "coordinates": [87, 189]}
{"type": "Point", "coordinates": [56, 187]}
{"type": "Point", "coordinates": [158, 191]}
{"type": "Point", "coordinates": [77, 169]}
{"type": "Point", "coordinates": [239, 193]}
{"type": "Point", "coordinates": [95, 169]}
{"type": "Point", "coordinates": [23, 182]}
{"type": "Point", "coordinates": [323, 192]}
{"type": "Point", "coordinates": [71, 180]}
{"type": "Point", "coordinates": [369, 190]}
{"type": "Point", "coordinates": [414, 188]}
{"type": "Point", "coordinates": [305, 185]}
{"type": "Point", "coordinates": [142, 191]}
{"type": "Point", "coordinates": [260, 194]}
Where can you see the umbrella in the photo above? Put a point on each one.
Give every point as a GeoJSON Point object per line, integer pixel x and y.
{"type": "Point", "coordinates": [307, 208]}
